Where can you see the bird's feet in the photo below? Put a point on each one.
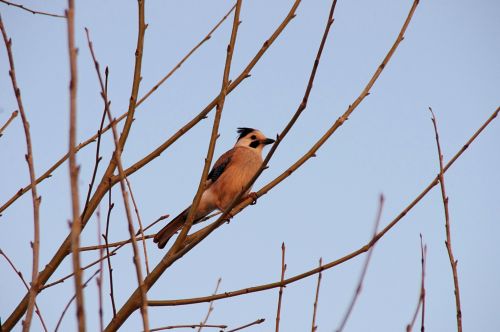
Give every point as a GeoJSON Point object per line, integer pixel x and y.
{"type": "Point", "coordinates": [253, 196]}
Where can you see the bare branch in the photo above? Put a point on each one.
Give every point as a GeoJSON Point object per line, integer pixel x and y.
{"type": "Point", "coordinates": [123, 180]}
{"type": "Point", "coordinates": [210, 307]}
{"type": "Point", "coordinates": [165, 216]}
{"type": "Point", "coordinates": [365, 266]}
{"type": "Point", "coordinates": [215, 132]}
{"type": "Point", "coordinates": [108, 254]}
{"type": "Point", "coordinates": [129, 307]}
{"type": "Point", "coordinates": [116, 244]}
{"type": "Point", "coordinates": [9, 120]}
{"type": "Point", "coordinates": [280, 294]}
{"type": "Point", "coordinates": [314, 327]}
{"type": "Point", "coordinates": [31, 10]}
{"type": "Point", "coordinates": [74, 168]}
{"type": "Point", "coordinates": [421, 297]}
{"type": "Point", "coordinates": [101, 271]}
{"type": "Point", "coordinates": [234, 83]}
{"type": "Point", "coordinates": [141, 229]}
{"type": "Point", "coordinates": [257, 322]}
{"type": "Point", "coordinates": [92, 139]}
{"type": "Point", "coordinates": [19, 273]}
{"type": "Point", "coordinates": [71, 300]}
{"type": "Point", "coordinates": [188, 326]}
{"type": "Point", "coordinates": [97, 261]}
{"type": "Point", "coordinates": [203, 233]}
{"type": "Point", "coordinates": [173, 70]}
{"type": "Point", "coordinates": [31, 168]}
{"type": "Point", "coordinates": [197, 237]}
{"type": "Point", "coordinates": [453, 261]}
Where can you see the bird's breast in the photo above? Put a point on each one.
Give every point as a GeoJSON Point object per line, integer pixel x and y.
{"type": "Point", "coordinates": [244, 164]}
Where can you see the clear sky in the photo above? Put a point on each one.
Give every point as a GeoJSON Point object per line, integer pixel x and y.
{"type": "Point", "coordinates": [449, 60]}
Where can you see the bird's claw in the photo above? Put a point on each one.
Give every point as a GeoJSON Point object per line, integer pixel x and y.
{"type": "Point", "coordinates": [253, 196]}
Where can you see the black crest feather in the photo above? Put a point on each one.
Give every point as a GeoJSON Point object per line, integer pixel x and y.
{"type": "Point", "coordinates": [243, 131]}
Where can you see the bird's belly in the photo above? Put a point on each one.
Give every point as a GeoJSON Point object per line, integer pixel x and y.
{"type": "Point", "coordinates": [232, 182]}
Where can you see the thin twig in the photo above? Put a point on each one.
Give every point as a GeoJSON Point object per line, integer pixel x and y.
{"type": "Point", "coordinates": [97, 261]}
{"type": "Point", "coordinates": [234, 83]}
{"type": "Point", "coordinates": [47, 174]}
{"type": "Point", "coordinates": [453, 261]}
{"type": "Point", "coordinates": [210, 307]}
{"type": "Point", "coordinates": [141, 229]}
{"type": "Point", "coordinates": [123, 180]}
{"type": "Point", "coordinates": [165, 216]}
{"type": "Point", "coordinates": [187, 326]}
{"type": "Point", "coordinates": [280, 293]}
{"type": "Point", "coordinates": [314, 327]}
{"type": "Point", "coordinates": [74, 168]}
{"type": "Point", "coordinates": [35, 245]}
{"type": "Point", "coordinates": [98, 158]}
{"type": "Point", "coordinates": [421, 296]}
{"type": "Point", "coordinates": [359, 287]}
{"type": "Point", "coordinates": [108, 255]}
{"type": "Point", "coordinates": [104, 185]}
{"type": "Point", "coordinates": [9, 120]}
{"type": "Point", "coordinates": [71, 300]}
{"type": "Point", "coordinates": [302, 106]}
{"type": "Point", "coordinates": [101, 271]}
{"type": "Point", "coordinates": [116, 244]}
{"type": "Point", "coordinates": [258, 321]}
{"type": "Point", "coordinates": [31, 10]}
{"type": "Point", "coordinates": [172, 71]}
{"type": "Point", "coordinates": [179, 242]}
{"type": "Point", "coordinates": [20, 274]}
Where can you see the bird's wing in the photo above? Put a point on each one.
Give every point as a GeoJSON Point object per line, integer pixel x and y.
{"type": "Point", "coordinates": [219, 167]}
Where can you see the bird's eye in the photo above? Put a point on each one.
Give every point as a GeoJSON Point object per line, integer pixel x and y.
{"type": "Point", "coordinates": [253, 137]}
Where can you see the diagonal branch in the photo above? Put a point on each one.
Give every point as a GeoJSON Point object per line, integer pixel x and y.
{"type": "Point", "coordinates": [234, 83]}
{"type": "Point", "coordinates": [104, 184]}
{"type": "Point", "coordinates": [31, 10]}
{"type": "Point", "coordinates": [365, 267]}
{"type": "Point", "coordinates": [47, 174]}
{"type": "Point", "coordinates": [9, 120]}
{"type": "Point", "coordinates": [210, 307]}
{"type": "Point", "coordinates": [256, 322]}
{"type": "Point", "coordinates": [130, 306]}
{"type": "Point", "coordinates": [20, 274]}
{"type": "Point", "coordinates": [234, 209]}
{"type": "Point", "coordinates": [215, 132]}
{"type": "Point", "coordinates": [334, 263]}
{"type": "Point", "coordinates": [71, 301]}
{"type": "Point", "coordinates": [453, 261]}
{"type": "Point", "coordinates": [31, 168]}
{"type": "Point", "coordinates": [123, 187]}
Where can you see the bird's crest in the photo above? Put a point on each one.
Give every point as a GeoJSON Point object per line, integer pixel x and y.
{"type": "Point", "coordinates": [243, 131]}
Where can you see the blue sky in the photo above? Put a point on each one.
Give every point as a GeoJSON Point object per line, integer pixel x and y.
{"type": "Point", "coordinates": [448, 60]}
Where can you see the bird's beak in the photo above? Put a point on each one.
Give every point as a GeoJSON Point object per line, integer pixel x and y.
{"type": "Point", "coordinates": [267, 141]}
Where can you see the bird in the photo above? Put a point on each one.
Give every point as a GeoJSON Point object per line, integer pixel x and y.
{"type": "Point", "coordinates": [229, 175]}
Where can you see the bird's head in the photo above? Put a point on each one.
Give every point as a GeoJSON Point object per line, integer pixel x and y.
{"type": "Point", "coordinates": [252, 138]}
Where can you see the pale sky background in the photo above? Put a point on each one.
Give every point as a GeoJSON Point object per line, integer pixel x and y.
{"type": "Point", "coordinates": [449, 60]}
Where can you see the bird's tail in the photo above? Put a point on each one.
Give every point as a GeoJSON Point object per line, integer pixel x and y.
{"type": "Point", "coordinates": [170, 229]}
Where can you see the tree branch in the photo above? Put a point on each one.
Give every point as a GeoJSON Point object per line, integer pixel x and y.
{"type": "Point", "coordinates": [31, 10]}
{"type": "Point", "coordinates": [35, 245]}
{"type": "Point", "coordinates": [9, 120]}
{"type": "Point", "coordinates": [365, 267]}
{"type": "Point", "coordinates": [453, 261]}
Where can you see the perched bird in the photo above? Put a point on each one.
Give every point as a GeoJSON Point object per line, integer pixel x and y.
{"type": "Point", "coordinates": [229, 175]}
